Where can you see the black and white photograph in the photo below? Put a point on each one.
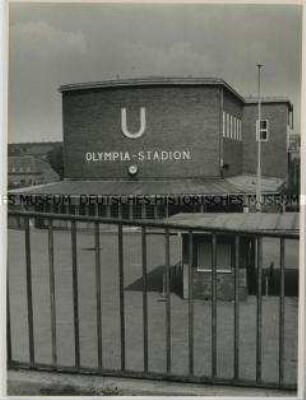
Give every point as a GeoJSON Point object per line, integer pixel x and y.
{"type": "Point", "coordinates": [153, 199]}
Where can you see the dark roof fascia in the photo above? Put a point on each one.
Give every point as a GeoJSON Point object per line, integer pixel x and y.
{"type": "Point", "coordinates": [147, 82]}
{"type": "Point", "coordinates": [267, 100]}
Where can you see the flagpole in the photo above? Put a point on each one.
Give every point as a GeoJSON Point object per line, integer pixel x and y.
{"type": "Point", "coordinates": [258, 137]}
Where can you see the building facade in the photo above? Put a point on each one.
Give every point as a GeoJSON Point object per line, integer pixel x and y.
{"type": "Point", "coordinates": [166, 138]}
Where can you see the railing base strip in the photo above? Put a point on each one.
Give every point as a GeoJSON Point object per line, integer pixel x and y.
{"type": "Point", "coordinates": [153, 376]}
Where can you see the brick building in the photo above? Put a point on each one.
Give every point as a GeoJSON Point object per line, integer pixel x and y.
{"type": "Point", "coordinates": [166, 138]}
{"type": "Point", "coordinates": [27, 170]}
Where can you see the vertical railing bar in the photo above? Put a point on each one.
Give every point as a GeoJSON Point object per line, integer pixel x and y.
{"type": "Point", "coordinates": [52, 291]}
{"type": "Point", "coordinates": [236, 309]}
{"type": "Point", "coordinates": [121, 294]}
{"type": "Point", "coordinates": [214, 307]}
{"type": "Point", "coordinates": [8, 321]}
{"type": "Point", "coordinates": [144, 298]}
{"type": "Point", "coordinates": [98, 295]}
{"type": "Point", "coordinates": [29, 290]}
{"type": "Point", "coordinates": [190, 307]}
{"type": "Point", "coordinates": [75, 294]}
{"type": "Point", "coordinates": [281, 311]}
{"type": "Point", "coordinates": [259, 308]}
{"type": "Point", "coordinates": [168, 300]}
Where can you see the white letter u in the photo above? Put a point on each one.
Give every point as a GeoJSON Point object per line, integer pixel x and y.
{"type": "Point", "coordinates": [142, 128]}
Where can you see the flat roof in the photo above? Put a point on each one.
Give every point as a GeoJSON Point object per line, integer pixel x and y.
{"type": "Point", "coordinates": [168, 81]}
{"type": "Point", "coordinates": [187, 187]}
{"type": "Point", "coordinates": [269, 99]}
{"type": "Point", "coordinates": [149, 81]}
{"type": "Point", "coordinates": [245, 222]}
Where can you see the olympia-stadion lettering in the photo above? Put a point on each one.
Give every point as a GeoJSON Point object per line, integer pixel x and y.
{"type": "Point", "coordinates": [148, 155]}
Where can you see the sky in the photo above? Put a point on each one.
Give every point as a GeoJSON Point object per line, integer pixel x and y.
{"type": "Point", "coordinates": [54, 44]}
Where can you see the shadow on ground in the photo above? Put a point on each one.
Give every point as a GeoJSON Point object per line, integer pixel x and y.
{"type": "Point", "coordinates": [156, 281]}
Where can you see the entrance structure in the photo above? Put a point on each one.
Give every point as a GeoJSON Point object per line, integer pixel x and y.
{"type": "Point", "coordinates": [150, 148]}
{"type": "Point", "coordinates": [203, 253]}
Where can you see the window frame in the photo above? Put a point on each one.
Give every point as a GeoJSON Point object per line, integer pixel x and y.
{"type": "Point", "coordinates": [222, 241]}
{"type": "Point", "coordinates": [260, 131]}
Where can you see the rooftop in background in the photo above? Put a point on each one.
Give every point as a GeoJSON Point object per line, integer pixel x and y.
{"type": "Point", "coordinates": [268, 99]}
{"type": "Point", "coordinates": [28, 170]}
{"type": "Point", "coordinates": [187, 187]}
{"type": "Point", "coordinates": [39, 149]}
{"type": "Point", "coordinates": [245, 222]}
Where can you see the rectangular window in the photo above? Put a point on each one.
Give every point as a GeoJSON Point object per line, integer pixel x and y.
{"type": "Point", "coordinates": [204, 256]}
{"type": "Point", "coordinates": [227, 125]}
{"type": "Point", "coordinates": [264, 130]}
{"type": "Point", "coordinates": [231, 127]}
{"type": "Point", "coordinates": [224, 126]}
{"type": "Point", "coordinates": [235, 129]}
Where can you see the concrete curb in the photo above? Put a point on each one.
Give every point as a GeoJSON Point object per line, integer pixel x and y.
{"type": "Point", "coordinates": [33, 383]}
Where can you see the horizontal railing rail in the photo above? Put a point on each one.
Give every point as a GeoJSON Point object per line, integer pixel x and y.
{"type": "Point", "coordinates": [160, 224]}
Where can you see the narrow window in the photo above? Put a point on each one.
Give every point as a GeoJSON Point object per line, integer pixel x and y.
{"type": "Point", "coordinates": [263, 130]}
{"type": "Point", "coordinates": [234, 128]}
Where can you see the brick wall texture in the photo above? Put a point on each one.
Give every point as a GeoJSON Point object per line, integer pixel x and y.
{"type": "Point", "coordinates": [274, 151]}
{"type": "Point", "coordinates": [178, 118]}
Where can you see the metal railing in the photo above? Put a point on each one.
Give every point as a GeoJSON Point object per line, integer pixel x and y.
{"type": "Point", "coordinates": [166, 230]}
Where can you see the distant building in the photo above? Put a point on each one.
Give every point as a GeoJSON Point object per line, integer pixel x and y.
{"type": "Point", "coordinates": [24, 171]}
{"type": "Point", "coordinates": [294, 146]}
{"type": "Point", "coordinates": [294, 163]}
{"type": "Point", "coordinates": [37, 149]}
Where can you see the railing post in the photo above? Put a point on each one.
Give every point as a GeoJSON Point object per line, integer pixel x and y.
{"type": "Point", "coordinates": [52, 291]}
{"type": "Point", "coordinates": [98, 295]}
{"type": "Point", "coordinates": [259, 308]}
{"type": "Point", "coordinates": [144, 298]}
{"type": "Point", "coordinates": [214, 307]}
{"type": "Point", "coordinates": [8, 321]}
{"type": "Point", "coordinates": [121, 294]}
{"type": "Point", "coordinates": [190, 307]}
{"type": "Point", "coordinates": [236, 309]}
{"type": "Point", "coordinates": [29, 290]}
{"type": "Point", "coordinates": [75, 294]}
{"type": "Point", "coordinates": [168, 300]}
{"type": "Point", "coordinates": [281, 311]}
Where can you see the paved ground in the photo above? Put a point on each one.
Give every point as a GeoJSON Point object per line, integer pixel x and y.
{"type": "Point", "coordinates": [24, 383]}
{"type": "Point", "coordinates": [133, 309]}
